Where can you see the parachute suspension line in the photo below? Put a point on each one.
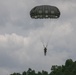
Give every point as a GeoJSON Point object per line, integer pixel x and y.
{"type": "Point", "coordinates": [42, 42]}
{"type": "Point", "coordinates": [49, 36]}
{"type": "Point", "coordinates": [45, 41]}
{"type": "Point", "coordinates": [48, 41]}
{"type": "Point", "coordinates": [50, 33]}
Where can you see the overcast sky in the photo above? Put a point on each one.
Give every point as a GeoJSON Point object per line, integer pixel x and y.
{"type": "Point", "coordinates": [20, 36]}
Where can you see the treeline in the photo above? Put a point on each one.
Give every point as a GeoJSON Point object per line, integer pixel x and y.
{"type": "Point", "coordinates": [68, 69]}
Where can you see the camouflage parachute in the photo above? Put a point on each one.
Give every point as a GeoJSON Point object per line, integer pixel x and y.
{"type": "Point", "coordinates": [45, 11]}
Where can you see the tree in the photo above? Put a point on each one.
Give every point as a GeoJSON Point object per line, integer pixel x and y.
{"type": "Point", "coordinates": [68, 62]}
{"type": "Point", "coordinates": [24, 73]}
{"type": "Point", "coordinates": [39, 73]}
{"type": "Point", "coordinates": [44, 72]}
{"type": "Point", "coordinates": [15, 74]}
{"type": "Point", "coordinates": [68, 69]}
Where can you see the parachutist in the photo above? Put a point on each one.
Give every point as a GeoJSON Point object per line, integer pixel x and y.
{"type": "Point", "coordinates": [42, 12]}
{"type": "Point", "coordinates": [45, 50]}
{"type": "Point", "coordinates": [45, 47]}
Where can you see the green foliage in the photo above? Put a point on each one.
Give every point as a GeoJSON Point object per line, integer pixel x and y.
{"type": "Point", "coordinates": [68, 69]}
{"type": "Point", "coordinates": [15, 74]}
{"type": "Point", "coordinates": [24, 73]}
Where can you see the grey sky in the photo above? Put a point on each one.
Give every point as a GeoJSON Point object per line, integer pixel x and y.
{"type": "Point", "coordinates": [20, 45]}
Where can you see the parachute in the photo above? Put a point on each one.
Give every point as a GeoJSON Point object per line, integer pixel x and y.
{"type": "Point", "coordinates": [45, 11]}
{"type": "Point", "coordinates": [42, 12]}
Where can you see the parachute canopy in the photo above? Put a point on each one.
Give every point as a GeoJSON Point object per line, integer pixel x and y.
{"type": "Point", "coordinates": [45, 11]}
